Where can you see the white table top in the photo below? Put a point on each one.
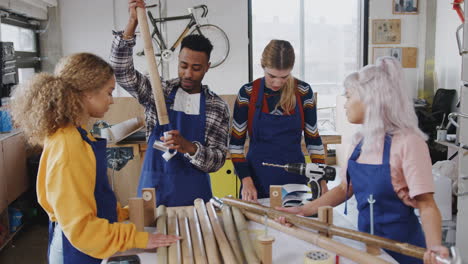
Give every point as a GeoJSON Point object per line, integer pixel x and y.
{"type": "Point", "coordinates": [286, 248]}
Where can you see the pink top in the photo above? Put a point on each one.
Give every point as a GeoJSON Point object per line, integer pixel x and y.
{"type": "Point", "coordinates": [410, 163]}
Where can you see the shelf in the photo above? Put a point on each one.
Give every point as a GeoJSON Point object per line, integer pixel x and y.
{"type": "Point", "coordinates": [449, 144]}
{"type": "Point", "coordinates": [11, 236]}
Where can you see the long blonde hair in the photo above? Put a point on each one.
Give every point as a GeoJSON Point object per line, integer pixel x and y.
{"type": "Point", "coordinates": [48, 102]}
{"type": "Point", "coordinates": [279, 55]}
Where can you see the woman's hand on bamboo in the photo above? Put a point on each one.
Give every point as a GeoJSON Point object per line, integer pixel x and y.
{"type": "Point", "coordinates": [430, 256]}
{"type": "Point", "coordinates": [249, 192]}
{"type": "Point", "coordinates": [156, 240]}
{"type": "Point", "coordinates": [299, 210]}
{"type": "Point", "coordinates": [176, 141]}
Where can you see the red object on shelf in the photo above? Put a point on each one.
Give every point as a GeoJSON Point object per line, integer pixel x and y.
{"type": "Point", "coordinates": [458, 9]}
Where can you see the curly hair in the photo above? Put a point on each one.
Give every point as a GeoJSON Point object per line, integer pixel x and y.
{"type": "Point", "coordinates": [49, 102]}
{"type": "Point", "coordinates": [279, 55]}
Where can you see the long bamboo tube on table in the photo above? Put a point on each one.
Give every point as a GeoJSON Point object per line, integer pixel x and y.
{"type": "Point", "coordinates": [208, 235]}
{"type": "Point", "coordinates": [321, 241]}
{"type": "Point", "coordinates": [161, 227]}
{"type": "Point", "coordinates": [197, 237]}
{"type": "Point", "coordinates": [403, 248]}
{"type": "Point", "coordinates": [155, 79]}
{"type": "Point", "coordinates": [244, 236]}
{"type": "Point", "coordinates": [231, 233]}
{"type": "Point", "coordinates": [224, 247]}
{"type": "Point", "coordinates": [187, 250]}
{"type": "Point", "coordinates": [173, 229]}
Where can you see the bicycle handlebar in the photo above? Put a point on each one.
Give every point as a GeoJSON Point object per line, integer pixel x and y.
{"type": "Point", "coordinates": [205, 9]}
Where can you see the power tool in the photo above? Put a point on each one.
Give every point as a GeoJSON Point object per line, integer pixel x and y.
{"type": "Point", "coordinates": [316, 172]}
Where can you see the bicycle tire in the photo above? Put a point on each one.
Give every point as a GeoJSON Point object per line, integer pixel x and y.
{"type": "Point", "coordinates": [218, 39]}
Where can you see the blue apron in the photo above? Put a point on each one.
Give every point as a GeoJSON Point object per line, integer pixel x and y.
{"type": "Point", "coordinates": [274, 139]}
{"type": "Point", "coordinates": [177, 181]}
{"type": "Point", "coordinates": [392, 218]}
{"type": "Point", "coordinates": [106, 203]}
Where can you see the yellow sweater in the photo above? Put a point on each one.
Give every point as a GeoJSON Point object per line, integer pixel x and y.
{"type": "Point", "coordinates": [65, 189]}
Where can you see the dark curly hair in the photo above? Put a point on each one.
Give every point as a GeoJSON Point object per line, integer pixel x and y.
{"type": "Point", "coordinates": [197, 43]}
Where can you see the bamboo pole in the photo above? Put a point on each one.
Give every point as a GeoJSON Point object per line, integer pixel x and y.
{"type": "Point", "coordinates": [173, 229]}
{"type": "Point", "coordinates": [197, 237]}
{"type": "Point", "coordinates": [224, 247]}
{"type": "Point", "coordinates": [232, 234]}
{"type": "Point", "coordinates": [187, 250]}
{"type": "Point", "coordinates": [266, 244]}
{"type": "Point", "coordinates": [403, 248]}
{"type": "Point", "coordinates": [161, 227]}
{"type": "Point", "coordinates": [244, 236]}
{"type": "Point", "coordinates": [155, 79]}
{"type": "Point", "coordinates": [321, 241]}
{"type": "Point", "coordinates": [208, 236]}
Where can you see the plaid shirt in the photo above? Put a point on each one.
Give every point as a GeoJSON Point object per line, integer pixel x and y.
{"type": "Point", "coordinates": [209, 157]}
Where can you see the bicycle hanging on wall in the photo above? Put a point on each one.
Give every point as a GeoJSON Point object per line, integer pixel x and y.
{"type": "Point", "coordinates": [215, 34]}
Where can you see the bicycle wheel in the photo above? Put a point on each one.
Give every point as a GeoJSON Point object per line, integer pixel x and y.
{"type": "Point", "coordinates": [218, 39]}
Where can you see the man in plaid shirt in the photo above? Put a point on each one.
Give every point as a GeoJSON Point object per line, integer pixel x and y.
{"type": "Point", "coordinates": [198, 117]}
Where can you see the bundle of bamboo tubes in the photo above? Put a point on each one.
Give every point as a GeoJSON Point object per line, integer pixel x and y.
{"type": "Point", "coordinates": [209, 238]}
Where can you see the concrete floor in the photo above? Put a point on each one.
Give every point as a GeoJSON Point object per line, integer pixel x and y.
{"type": "Point", "coordinates": [29, 246]}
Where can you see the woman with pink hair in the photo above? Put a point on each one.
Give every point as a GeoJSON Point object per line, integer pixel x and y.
{"type": "Point", "coordinates": [389, 164]}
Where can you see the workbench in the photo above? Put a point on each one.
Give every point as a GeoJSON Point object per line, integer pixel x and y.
{"type": "Point", "coordinates": [286, 248]}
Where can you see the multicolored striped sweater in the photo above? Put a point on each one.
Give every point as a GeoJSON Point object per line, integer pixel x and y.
{"type": "Point", "coordinates": [240, 121]}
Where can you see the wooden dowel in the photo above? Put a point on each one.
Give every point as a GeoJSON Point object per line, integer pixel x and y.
{"type": "Point", "coordinates": [403, 248]}
{"type": "Point", "coordinates": [161, 227]}
{"type": "Point", "coordinates": [155, 79]}
{"type": "Point", "coordinates": [232, 234]}
{"type": "Point", "coordinates": [187, 250]}
{"type": "Point", "coordinates": [197, 237]}
{"type": "Point", "coordinates": [223, 243]}
{"type": "Point", "coordinates": [173, 229]}
{"type": "Point", "coordinates": [321, 241]}
{"type": "Point", "coordinates": [149, 205]}
{"type": "Point", "coordinates": [244, 236]}
{"type": "Point", "coordinates": [136, 213]}
{"type": "Point", "coordinates": [208, 235]}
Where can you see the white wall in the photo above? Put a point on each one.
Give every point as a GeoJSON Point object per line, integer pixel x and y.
{"type": "Point", "coordinates": [87, 26]}
{"type": "Point", "coordinates": [447, 59]}
{"type": "Point", "coordinates": [412, 35]}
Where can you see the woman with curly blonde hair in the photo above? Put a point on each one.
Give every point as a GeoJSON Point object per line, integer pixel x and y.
{"type": "Point", "coordinates": [72, 184]}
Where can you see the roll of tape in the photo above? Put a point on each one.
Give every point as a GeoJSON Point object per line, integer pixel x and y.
{"type": "Point", "coordinates": [319, 257]}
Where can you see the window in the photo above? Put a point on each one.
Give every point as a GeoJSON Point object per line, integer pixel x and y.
{"type": "Point", "coordinates": [23, 33]}
{"type": "Point", "coordinates": [325, 36]}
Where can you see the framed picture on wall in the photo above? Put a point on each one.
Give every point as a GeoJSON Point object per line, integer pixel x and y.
{"type": "Point", "coordinates": [405, 7]}
{"type": "Point", "coordinates": [407, 56]}
{"type": "Point", "coordinates": [386, 31]}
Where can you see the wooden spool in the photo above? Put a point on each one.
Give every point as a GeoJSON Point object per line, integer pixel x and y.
{"type": "Point", "coordinates": [136, 213]}
{"type": "Point", "coordinates": [187, 250]}
{"type": "Point", "coordinates": [173, 229]}
{"type": "Point", "coordinates": [231, 233]}
{"type": "Point", "coordinates": [321, 241]}
{"type": "Point", "coordinates": [155, 79]}
{"type": "Point", "coordinates": [197, 237]}
{"type": "Point", "coordinates": [266, 243]}
{"type": "Point", "coordinates": [149, 205]}
{"type": "Point", "coordinates": [161, 227]}
{"type": "Point", "coordinates": [403, 248]}
{"type": "Point", "coordinates": [223, 243]}
{"type": "Point", "coordinates": [244, 236]}
{"type": "Point", "coordinates": [276, 199]}
{"type": "Point", "coordinates": [208, 235]}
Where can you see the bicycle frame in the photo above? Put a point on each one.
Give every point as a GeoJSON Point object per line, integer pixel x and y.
{"type": "Point", "coordinates": [192, 22]}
